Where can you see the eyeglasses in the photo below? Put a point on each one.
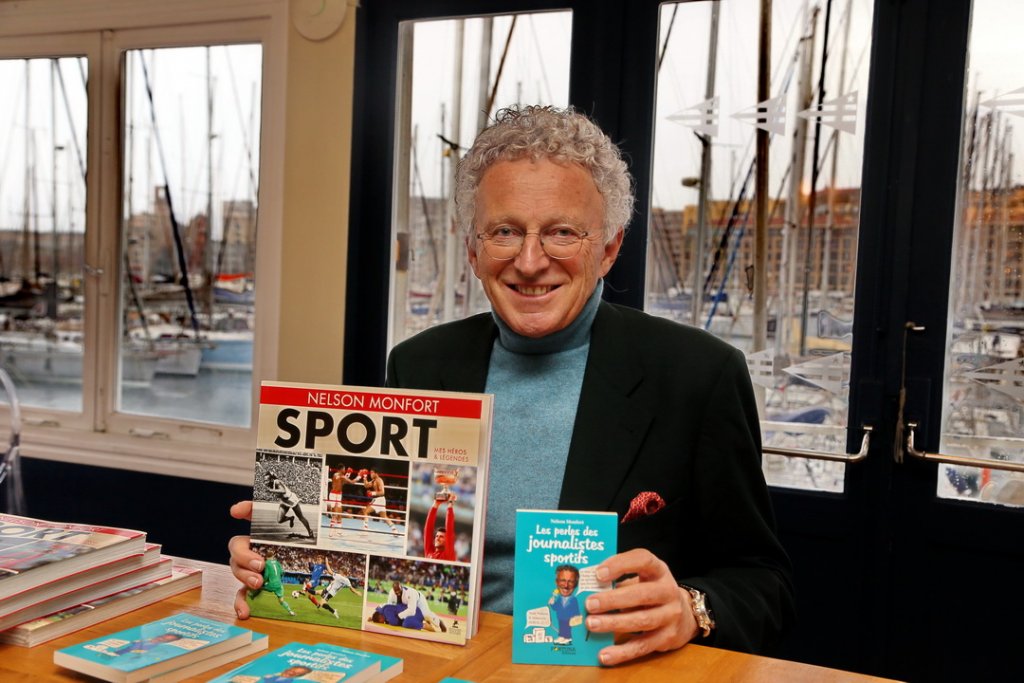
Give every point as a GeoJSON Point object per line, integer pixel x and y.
{"type": "Point", "coordinates": [504, 243]}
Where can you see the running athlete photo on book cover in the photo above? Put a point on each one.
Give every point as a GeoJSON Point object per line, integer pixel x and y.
{"type": "Point", "coordinates": [350, 482]}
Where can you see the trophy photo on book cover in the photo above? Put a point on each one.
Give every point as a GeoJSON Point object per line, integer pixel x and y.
{"type": "Point", "coordinates": [445, 477]}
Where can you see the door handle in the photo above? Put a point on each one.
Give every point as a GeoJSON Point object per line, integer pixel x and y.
{"type": "Point", "coordinates": [964, 460]}
{"type": "Point", "coordinates": [860, 455]}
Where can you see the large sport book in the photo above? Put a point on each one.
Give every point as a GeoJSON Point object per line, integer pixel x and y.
{"type": "Point", "coordinates": [34, 552]}
{"type": "Point", "coordinates": [301, 662]}
{"type": "Point", "coordinates": [557, 553]}
{"type": "Point", "coordinates": [142, 652]}
{"type": "Point", "coordinates": [80, 616]}
{"type": "Point", "coordinates": [368, 506]}
{"type": "Point", "coordinates": [153, 567]}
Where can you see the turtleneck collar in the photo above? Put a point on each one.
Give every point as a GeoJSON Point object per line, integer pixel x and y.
{"type": "Point", "coordinates": [576, 334]}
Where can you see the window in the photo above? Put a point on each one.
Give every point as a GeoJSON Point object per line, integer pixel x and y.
{"type": "Point", "coordinates": [130, 196]}
{"type": "Point", "coordinates": [983, 410]}
{"type": "Point", "coordinates": [462, 72]}
{"type": "Point", "coordinates": [702, 262]}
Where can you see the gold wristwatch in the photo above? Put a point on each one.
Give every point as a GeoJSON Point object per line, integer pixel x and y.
{"type": "Point", "coordinates": [701, 612]}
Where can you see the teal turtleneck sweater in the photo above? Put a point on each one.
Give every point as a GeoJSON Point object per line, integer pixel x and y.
{"type": "Point", "coordinates": [536, 386]}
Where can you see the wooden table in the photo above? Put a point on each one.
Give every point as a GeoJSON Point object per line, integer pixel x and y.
{"type": "Point", "coordinates": [487, 658]}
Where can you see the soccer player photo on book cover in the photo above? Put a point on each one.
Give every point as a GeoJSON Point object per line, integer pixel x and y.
{"type": "Point", "coordinates": [557, 553]}
{"type": "Point", "coordinates": [357, 490]}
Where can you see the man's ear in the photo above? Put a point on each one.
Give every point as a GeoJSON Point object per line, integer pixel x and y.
{"type": "Point", "coordinates": [471, 255]}
{"type": "Point", "coordinates": [611, 252]}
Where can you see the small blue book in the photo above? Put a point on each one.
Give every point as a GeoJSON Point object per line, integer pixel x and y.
{"type": "Point", "coordinates": [298, 661]}
{"type": "Point", "coordinates": [389, 666]}
{"type": "Point", "coordinates": [142, 652]}
{"type": "Point", "coordinates": [557, 553]}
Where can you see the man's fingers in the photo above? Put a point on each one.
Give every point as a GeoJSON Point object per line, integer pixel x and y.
{"type": "Point", "coordinates": [246, 564]}
{"type": "Point", "coordinates": [241, 606]}
{"type": "Point", "coordinates": [639, 561]}
{"type": "Point", "coordinates": [632, 649]}
{"type": "Point", "coordinates": [242, 510]}
{"type": "Point", "coordinates": [640, 594]}
{"type": "Point", "coordinates": [636, 620]}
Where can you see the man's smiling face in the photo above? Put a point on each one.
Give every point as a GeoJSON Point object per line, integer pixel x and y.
{"type": "Point", "coordinates": [534, 294]}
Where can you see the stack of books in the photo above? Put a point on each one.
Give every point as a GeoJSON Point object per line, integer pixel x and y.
{"type": "Point", "coordinates": [320, 662]}
{"type": "Point", "coordinates": [56, 578]}
{"type": "Point", "coordinates": [167, 650]}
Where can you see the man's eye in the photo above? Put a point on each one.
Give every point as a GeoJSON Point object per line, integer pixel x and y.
{"type": "Point", "coordinates": [563, 232]}
{"type": "Point", "coordinates": [503, 231]}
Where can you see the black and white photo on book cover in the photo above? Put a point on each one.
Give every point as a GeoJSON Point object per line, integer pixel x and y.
{"type": "Point", "coordinates": [368, 507]}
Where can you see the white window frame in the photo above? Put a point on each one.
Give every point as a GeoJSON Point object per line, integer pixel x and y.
{"type": "Point", "coordinates": [102, 30]}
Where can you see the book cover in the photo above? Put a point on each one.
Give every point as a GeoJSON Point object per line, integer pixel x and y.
{"type": "Point", "coordinates": [80, 616]}
{"type": "Point", "coordinates": [557, 552]}
{"type": "Point", "coordinates": [260, 642]}
{"type": "Point", "coordinates": [389, 666]}
{"type": "Point", "coordinates": [129, 574]}
{"type": "Point", "coordinates": [34, 552]}
{"type": "Point", "coordinates": [368, 506]}
{"type": "Point", "coordinates": [301, 662]}
{"type": "Point", "coordinates": [141, 652]}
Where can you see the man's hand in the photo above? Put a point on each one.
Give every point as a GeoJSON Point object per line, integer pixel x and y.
{"type": "Point", "coordinates": [651, 606]}
{"type": "Point", "coordinates": [246, 564]}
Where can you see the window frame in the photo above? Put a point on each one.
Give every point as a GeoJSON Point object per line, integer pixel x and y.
{"type": "Point", "coordinates": [100, 435]}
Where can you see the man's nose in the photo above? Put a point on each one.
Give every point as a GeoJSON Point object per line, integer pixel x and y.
{"type": "Point", "coordinates": [532, 256]}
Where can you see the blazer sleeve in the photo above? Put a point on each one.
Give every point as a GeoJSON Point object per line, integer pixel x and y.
{"type": "Point", "coordinates": [744, 570]}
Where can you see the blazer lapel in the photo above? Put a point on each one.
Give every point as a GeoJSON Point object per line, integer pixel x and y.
{"type": "Point", "coordinates": [609, 428]}
{"type": "Point", "coordinates": [466, 369]}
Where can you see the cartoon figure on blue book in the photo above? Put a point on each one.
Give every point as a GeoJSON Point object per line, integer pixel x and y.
{"type": "Point", "coordinates": [143, 645]}
{"type": "Point", "coordinates": [564, 602]}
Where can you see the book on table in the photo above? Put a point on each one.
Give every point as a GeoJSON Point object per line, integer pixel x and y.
{"type": "Point", "coordinates": [556, 555]}
{"type": "Point", "coordinates": [60, 623]}
{"type": "Point", "coordinates": [301, 662]}
{"type": "Point", "coordinates": [51, 558]}
{"type": "Point", "coordinates": [389, 666]}
{"type": "Point", "coordinates": [159, 647]}
{"type": "Point", "coordinates": [132, 571]}
{"type": "Point", "coordinates": [368, 507]}
{"type": "Point", "coordinates": [259, 643]}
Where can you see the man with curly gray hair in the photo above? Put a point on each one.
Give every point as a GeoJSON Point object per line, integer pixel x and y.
{"type": "Point", "coordinates": [536, 132]}
{"type": "Point", "coordinates": [599, 406]}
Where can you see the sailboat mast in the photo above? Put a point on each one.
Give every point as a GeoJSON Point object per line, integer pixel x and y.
{"type": "Point", "coordinates": [815, 168]}
{"type": "Point", "coordinates": [26, 199]}
{"type": "Point", "coordinates": [830, 224]}
{"type": "Point", "coordinates": [783, 331]}
{"type": "Point", "coordinates": [697, 299]}
{"type": "Point", "coordinates": [206, 240]}
{"type": "Point", "coordinates": [450, 246]}
{"type": "Point", "coordinates": [760, 320]}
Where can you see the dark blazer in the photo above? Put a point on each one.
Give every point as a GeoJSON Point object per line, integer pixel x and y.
{"type": "Point", "coordinates": [664, 408]}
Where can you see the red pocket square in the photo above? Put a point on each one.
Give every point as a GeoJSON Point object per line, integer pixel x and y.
{"type": "Point", "coordinates": [645, 504]}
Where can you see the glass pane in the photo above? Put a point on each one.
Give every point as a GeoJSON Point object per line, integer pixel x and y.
{"type": "Point", "coordinates": [445, 96]}
{"type": "Point", "coordinates": [701, 258]}
{"type": "Point", "coordinates": [42, 227]}
{"type": "Point", "coordinates": [191, 146]}
{"type": "Point", "coordinates": [983, 413]}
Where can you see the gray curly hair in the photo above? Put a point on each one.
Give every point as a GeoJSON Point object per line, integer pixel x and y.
{"type": "Point", "coordinates": [545, 132]}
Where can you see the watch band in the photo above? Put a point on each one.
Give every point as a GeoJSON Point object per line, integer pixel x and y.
{"type": "Point", "coordinates": [701, 611]}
